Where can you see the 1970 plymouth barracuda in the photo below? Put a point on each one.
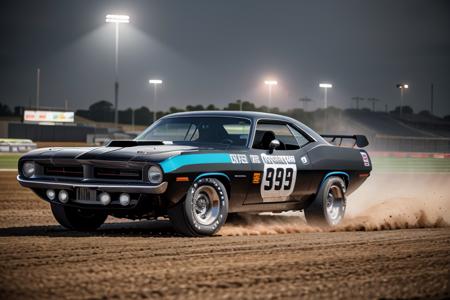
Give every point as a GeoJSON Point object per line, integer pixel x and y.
{"type": "Point", "coordinates": [196, 168]}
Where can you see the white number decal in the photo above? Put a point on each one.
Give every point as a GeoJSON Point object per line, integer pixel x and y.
{"type": "Point", "coordinates": [278, 181]}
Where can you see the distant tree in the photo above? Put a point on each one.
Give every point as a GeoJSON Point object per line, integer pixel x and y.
{"type": "Point", "coordinates": [263, 108]}
{"type": "Point", "coordinates": [425, 113]}
{"type": "Point", "coordinates": [18, 110]}
{"type": "Point", "coordinates": [405, 109]}
{"type": "Point", "coordinates": [232, 106]}
{"type": "Point", "coordinates": [101, 111]}
{"type": "Point", "coordinates": [195, 107]}
{"type": "Point", "coordinates": [5, 110]}
{"type": "Point", "coordinates": [101, 106]}
{"type": "Point", "coordinates": [143, 116]}
{"type": "Point", "coordinates": [174, 109]}
{"type": "Point", "coordinates": [274, 110]}
{"type": "Point", "coordinates": [248, 106]}
{"type": "Point", "coordinates": [212, 107]}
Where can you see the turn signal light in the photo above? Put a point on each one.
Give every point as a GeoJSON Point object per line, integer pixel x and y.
{"type": "Point", "coordinates": [182, 179]}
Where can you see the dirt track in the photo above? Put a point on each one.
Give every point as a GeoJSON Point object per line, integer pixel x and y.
{"type": "Point", "coordinates": [145, 260]}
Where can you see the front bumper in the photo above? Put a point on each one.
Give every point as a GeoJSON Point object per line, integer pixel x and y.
{"type": "Point", "coordinates": [111, 188]}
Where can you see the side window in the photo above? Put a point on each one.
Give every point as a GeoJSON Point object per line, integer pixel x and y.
{"type": "Point", "coordinates": [266, 132]}
{"type": "Point", "coordinates": [302, 140]}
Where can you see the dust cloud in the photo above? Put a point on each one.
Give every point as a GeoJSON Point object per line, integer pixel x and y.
{"type": "Point", "coordinates": [383, 202]}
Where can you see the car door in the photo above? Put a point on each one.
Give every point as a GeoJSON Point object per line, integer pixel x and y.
{"type": "Point", "coordinates": [276, 173]}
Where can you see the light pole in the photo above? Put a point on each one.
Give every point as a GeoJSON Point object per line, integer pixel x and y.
{"type": "Point", "coordinates": [116, 19]}
{"type": "Point", "coordinates": [374, 101]}
{"type": "Point", "coordinates": [132, 119]}
{"type": "Point", "coordinates": [326, 86]}
{"type": "Point", "coordinates": [270, 84]}
{"type": "Point", "coordinates": [239, 101]}
{"type": "Point", "coordinates": [402, 87]}
{"type": "Point", "coordinates": [304, 101]}
{"type": "Point", "coordinates": [38, 87]}
{"type": "Point", "coordinates": [155, 83]}
{"type": "Point", "coordinates": [358, 99]}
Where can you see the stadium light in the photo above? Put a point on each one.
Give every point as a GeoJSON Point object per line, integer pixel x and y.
{"type": "Point", "coordinates": [270, 83]}
{"type": "Point", "coordinates": [402, 87]}
{"type": "Point", "coordinates": [155, 83]}
{"type": "Point", "coordinates": [116, 19]}
{"type": "Point", "coordinates": [326, 86]}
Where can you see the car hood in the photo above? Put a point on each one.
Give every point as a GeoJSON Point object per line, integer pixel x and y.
{"type": "Point", "coordinates": [139, 153]}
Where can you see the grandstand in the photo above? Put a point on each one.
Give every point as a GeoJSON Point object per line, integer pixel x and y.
{"type": "Point", "coordinates": [412, 133]}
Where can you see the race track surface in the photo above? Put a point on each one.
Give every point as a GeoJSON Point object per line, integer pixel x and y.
{"type": "Point", "coordinates": [137, 260]}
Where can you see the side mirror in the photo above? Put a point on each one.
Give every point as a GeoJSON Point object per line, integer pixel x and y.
{"type": "Point", "coordinates": [274, 144]}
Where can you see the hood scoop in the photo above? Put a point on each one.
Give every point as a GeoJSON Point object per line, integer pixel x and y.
{"type": "Point", "coordinates": [131, 143]}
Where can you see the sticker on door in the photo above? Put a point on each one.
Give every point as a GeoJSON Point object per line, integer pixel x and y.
{"type": "Point", "coordinates": [280, 174]}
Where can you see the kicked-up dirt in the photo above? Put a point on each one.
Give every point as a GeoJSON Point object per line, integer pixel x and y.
{"type": "Point", "coordinates": [395, 243]}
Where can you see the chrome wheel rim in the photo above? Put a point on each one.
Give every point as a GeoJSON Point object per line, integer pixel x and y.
{"type": "Point", "coordinates": [335, 205]}
{"type": "Point", "coordinates": [205, 205]}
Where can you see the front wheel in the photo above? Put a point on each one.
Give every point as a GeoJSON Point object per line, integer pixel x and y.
{"type": "Point", "coordinates": [78, 219]}
{"type": "Point", "coordinates": [328, 208]}
{"type": "Point", "coordinates": [203, 211]}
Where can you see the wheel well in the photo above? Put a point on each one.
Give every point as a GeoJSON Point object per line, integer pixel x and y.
{"type": "Point", "coordinates": [343, 175]}
{"type": "Point", "coordinates": [222, 177]}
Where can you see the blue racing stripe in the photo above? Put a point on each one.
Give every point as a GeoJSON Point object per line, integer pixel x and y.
{"type": "Point", "coordinates": [176, 162]}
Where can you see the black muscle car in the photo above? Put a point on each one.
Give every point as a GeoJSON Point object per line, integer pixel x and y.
{"type": "Point", "coordinates": [198, 167]}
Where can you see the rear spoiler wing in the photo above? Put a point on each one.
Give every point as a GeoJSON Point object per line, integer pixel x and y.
{"type": "Point", "coordinates": [360, 140]}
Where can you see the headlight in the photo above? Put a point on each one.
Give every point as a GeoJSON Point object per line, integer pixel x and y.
{"type": "Point", "coordinates": [155, 175]}
{"type": "Point", "coordinates": [28, 169]}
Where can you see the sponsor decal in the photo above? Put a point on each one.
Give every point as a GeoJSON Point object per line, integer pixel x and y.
{"type": "Point", "coordinates": [239, 158]}
{"type": "Point", "coordinates": [255, 159]}
{"type": "Point", "coordinates": [365, 159]}
{"type": "Point", "coordinates": [278, 180]}
{"type": "Point", "coordinates": [304, 160]}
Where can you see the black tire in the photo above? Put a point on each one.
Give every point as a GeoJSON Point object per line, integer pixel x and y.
{"type": "Point", "coordinates": [318, 213]}
{"type": "Point", "coordinates": [78, 219]}
{"type": "Point", "coordinates": [190, 218]}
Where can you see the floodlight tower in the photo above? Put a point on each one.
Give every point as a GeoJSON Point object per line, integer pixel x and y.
{"type": "Point", "coordinates": [116, 19]}
{"type": "Point", "coordinates": [270, 84]}
{"type": "Point", "coordinates": [326, 86]}
{"type": "Point", "coordinates": [374, 101]}
{"type": "Point", "coordinates": [155, 83]}
{"type": "Point", "coordinates": [402, 87]}
{"type": "Point", "coordinates": [304, 101]}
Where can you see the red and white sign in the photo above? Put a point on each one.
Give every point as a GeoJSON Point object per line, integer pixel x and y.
{"type": "Point", "coordinates": [49, 116]}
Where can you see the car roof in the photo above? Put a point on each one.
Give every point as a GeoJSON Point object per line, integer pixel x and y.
{"type": "Point", "coordinates": [253, 115]}
{"type": "Point", "coordinates": [231, 113]}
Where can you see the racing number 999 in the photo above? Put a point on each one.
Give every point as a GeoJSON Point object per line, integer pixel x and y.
{"type": "Point", "coordinates": [278, 178]}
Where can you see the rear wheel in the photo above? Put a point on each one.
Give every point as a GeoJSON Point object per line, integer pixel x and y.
{"type": "Point", "coordinates": [203, 211]}
{"type": "Point", "coordinates": [328, 208]}
{"type": "Point", "coordinates": [78, 219]}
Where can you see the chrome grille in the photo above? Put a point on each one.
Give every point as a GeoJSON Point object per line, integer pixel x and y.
{"type": "Point", "coordinates": [85, 194]}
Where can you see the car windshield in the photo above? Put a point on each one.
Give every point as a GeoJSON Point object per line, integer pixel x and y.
{"type": "Point", "coordinates": [199, 130]}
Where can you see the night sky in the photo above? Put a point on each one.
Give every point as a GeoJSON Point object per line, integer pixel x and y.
{"type": "Point", "coordinates": [218, 51]}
